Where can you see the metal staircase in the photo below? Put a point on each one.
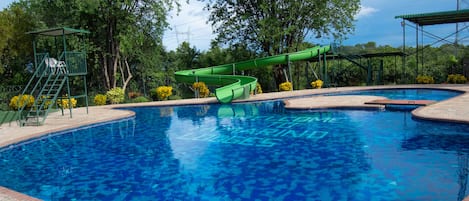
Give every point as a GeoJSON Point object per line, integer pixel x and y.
{"type": "Point", "coordinates": [367, 67]}
{"type": "Point", "coordinates": [51, 76]}
{"type": "Point", "coordinates": [45, 86]}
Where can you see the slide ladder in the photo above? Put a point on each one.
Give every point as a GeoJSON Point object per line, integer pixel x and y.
{"type": "Point", "coordinates": [237, 86]}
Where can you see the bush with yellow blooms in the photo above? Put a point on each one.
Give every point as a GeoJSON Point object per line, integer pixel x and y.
{"type": "Point", "coordinates": [202, 89]}
{"type": "Point", "coordinates": [65, 103]}
{"type": "Point", "coordinates": [425, 79]}
{"type": "Point", "coordinates": [21, 101]}
{"type": "Point", "coordinates": [163, 92]}
{"type": "Point", "coordinates": [317, 84]}
{"type": "Point", "coordinates": [100, 99]}
{"type": "Point", "coordinates": [286, 86]}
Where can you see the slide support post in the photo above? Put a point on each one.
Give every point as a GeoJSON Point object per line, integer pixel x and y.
{"type": "Point", "coordinates": [234, 69]}
{"type": "Point", "coordinates": [325, 68]}
{"type": "Point", "coordinates": [289, 70]}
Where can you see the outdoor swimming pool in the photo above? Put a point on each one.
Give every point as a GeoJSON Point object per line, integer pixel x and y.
{"type": "Point", "coordinates": [246, 152]}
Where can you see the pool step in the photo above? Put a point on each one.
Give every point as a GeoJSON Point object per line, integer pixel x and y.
{"type": "Point", "coordinates": [401, 102]}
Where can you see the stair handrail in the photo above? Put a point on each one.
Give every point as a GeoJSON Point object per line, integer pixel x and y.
{"type": "Point", "coordinates": [39, 95]}
{"type": "Point", "coordinates": [37, 72]}
{"type": "Point", "coordinates": [351, 59]}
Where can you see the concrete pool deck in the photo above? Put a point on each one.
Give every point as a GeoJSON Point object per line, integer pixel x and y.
{"type": "Point", "coordinates": [452, 110]}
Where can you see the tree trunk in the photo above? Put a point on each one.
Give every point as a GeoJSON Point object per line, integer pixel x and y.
{"type": "Point", "coordinates": [114, 69]}
{"type": "Point", "coordinates": [126, 80]}
{"type": "Point", "coordinates": [107, 82]}
{"type": "Point", "coordinates": [279, 76]}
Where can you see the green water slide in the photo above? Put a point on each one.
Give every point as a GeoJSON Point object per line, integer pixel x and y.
{"type": "Point", "coordinates": [238, 86]}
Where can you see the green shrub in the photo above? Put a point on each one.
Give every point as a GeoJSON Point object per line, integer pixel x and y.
{"type": "Point", "coordinates": [115, 95]}
{"type": "Point", "coordinates": [163, 92]}
{"type": "Point", "coordinates": [456, 79]}
{"type": "Point", "coordinates": [133, 95]}
{"type": "Point", "coordinates": [174, 97]}
{"type": "Point", "coordinates": [286, 86]}
{"type": "Point", "coordinates": [153, 95]}
{"type": "Point", "coordinates": [100, 99]}
{"type": "Point", "coordinates": [21, 100]}
{"type": "Point", "coordinates": [425, 79]}
{"type": "Point", "coordinates": [140, 99]}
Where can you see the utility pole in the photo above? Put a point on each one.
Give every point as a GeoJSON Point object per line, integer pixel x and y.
{"type": "Point", "coordinates": [177, 34]}
{"type": "Point", "coordinates": [457, 24]}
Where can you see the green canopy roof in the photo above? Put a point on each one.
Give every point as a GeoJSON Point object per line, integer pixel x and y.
{"type": "Point", "coordinates": [59, 31]}
{"type": "Point", "coordinates": [445, 17]}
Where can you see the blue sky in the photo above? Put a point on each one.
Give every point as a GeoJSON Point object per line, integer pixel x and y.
{"type": "Point", "coordinates": [375, 22]}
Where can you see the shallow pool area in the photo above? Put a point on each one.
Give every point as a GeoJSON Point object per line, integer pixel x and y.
{"type": "Point", "coordinates": [245, 152]}
{"type": "Point", "coordinates": [406, 94]}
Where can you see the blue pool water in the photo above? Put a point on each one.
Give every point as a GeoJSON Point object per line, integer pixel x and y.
{"type": "Point", "coordinates": [406, 94]}
{"type": "Point", "coordinates": [254, 151]}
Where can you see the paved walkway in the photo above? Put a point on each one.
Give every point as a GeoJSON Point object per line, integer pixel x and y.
{"type": "Point", "coordinates": [453, 110]}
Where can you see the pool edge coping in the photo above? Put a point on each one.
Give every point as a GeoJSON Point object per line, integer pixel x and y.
{"type": "Point", "coordinates": [11, 195]}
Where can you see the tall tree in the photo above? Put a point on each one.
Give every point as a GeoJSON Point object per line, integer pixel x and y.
{"type": "Point", "coordinates": [276, 27]}
{"type": "Point", "coordinates": [121, 31]}
{"type": "Point", "coordinates": [15, 45]}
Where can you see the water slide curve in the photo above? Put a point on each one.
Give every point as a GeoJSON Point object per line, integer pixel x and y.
{"type": "Point", "coordinates": [238, 86]}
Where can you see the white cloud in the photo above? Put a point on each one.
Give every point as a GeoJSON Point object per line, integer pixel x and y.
{"type": "Point", "coordinates": [189, 25]}
{"type": "Point", "coordinates": [366, 11]}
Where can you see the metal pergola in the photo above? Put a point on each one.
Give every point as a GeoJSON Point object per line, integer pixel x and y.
{"type": "Point", "coordinates": [434, 18]}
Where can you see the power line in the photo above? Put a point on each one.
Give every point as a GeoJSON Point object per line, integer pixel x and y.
{"type": "Point", "coordinates": [177, 34]}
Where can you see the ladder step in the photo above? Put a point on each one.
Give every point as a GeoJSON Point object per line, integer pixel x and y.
{"type": "Point", "coordinates": [31, 123]}
{"type": "Point", "coordinates": [35, 113]}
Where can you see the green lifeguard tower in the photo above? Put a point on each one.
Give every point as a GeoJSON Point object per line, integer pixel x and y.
{"type": "Point", "coordinates": [54, 69]}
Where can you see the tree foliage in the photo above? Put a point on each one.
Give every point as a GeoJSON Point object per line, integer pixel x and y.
{"type": "Point", "coordinates": [276, 27]}
{"type": "Point", "coordinates": [15, 45]}
{"type": "Point", "coordinates": [122, 31]}
{"type": "Point", "coordinates": [125, 48]}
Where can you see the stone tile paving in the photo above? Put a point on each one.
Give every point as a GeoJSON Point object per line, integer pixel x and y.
{"type": "Point", "coordinates": [9, 195]}
{"type": "Point", "coordinates": [451, 110]}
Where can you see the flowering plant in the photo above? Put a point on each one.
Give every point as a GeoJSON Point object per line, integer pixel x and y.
{"type": "Point", "coordinates": [163, 92]}
{"type": "Point", "coordinates": [425, 79]}
{"type": "Point", "coordinates": [202, 89]}
{"type": "Point", "coordinates": [100, 99]}
{"type": "Point", "coordinates": [456, 79]}
{"type": "Point", "coordinates": [258, 88]}
{"type": "Point", "coordinates": [317, 84]}
{"type": "Point", "coordinates": [286, 86]}
{"type": "Point", "coordinates": [64, 103]}
{"type": "Point", "coordinates": [21, 101]}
